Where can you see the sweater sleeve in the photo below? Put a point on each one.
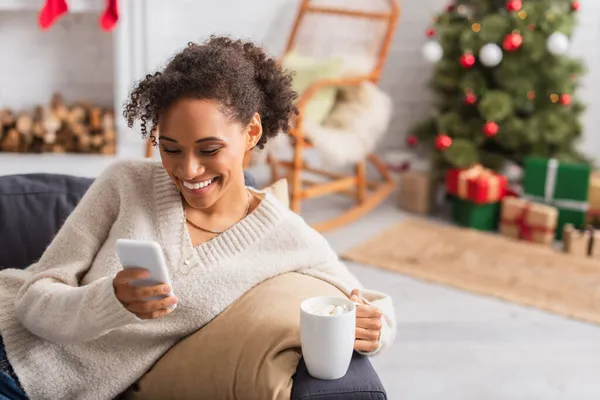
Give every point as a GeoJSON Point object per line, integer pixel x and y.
{"type": "Point", "coordinates": [51, 303]}
{"type": "Point", "coordinates": [336, 272]}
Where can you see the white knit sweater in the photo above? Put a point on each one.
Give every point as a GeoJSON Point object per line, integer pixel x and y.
{"type": "Point", "coordinates": [68, 336]}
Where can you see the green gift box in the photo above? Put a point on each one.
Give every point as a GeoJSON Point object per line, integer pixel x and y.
{"type": "Point", "coordinates": [562, 185]}
{"type": "Point", "coordinates": [483, 217]}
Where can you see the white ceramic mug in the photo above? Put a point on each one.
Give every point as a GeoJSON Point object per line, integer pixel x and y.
{"type": "Point", "coordinates": [327, 340]}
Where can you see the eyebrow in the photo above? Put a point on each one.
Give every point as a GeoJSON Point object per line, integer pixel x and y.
{"type": "Point", "coordinates": [211, 138]}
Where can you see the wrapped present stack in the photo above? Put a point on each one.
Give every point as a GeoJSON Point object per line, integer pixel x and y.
{"type": "Point", "coordinates": [417, 192]}
{"type": "Point", "coordinates": [581, 242]}
{"type": "Point", "coordinates": [561, 185]}
{"type": "Point", "coordinates": [524, 220]}
{"type": "Point", "coordinates": [476, 193]}
{"type": "Point", "coordinates": [593, 213]}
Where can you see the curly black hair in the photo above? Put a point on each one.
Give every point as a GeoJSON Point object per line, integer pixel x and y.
{"type": "Point", "coordinates": [239, 75]}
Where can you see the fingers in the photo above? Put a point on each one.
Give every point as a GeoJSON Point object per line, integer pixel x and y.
{"type": "Point", "coordinates": [366, 311]}
{"type": "Point", "coordinates": [149, 307]}
{"type": "Point", "coordinates": [367, 334]}
{"type": "Point", "coordinates": [145, 292]}
{"type": "Point", "coordinates": [366, 346]}
{"type": "Point", "coordinates": [130, 274]}
{"type": "Point", "coordinates": [373, 324]}
{"type": "Point", "coordinates": [356, 297]}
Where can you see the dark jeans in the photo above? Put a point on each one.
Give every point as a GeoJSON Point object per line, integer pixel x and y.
{"type": "Point", "coordinates": [10, 388]}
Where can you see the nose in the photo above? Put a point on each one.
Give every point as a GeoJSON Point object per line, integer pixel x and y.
{"type": "Point", "coordinates": [190, 168]}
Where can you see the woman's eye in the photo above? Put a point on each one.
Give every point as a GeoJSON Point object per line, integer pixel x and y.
{"type": "Point", "coordinates": [209, 152]}
{"type": "Point", "coordinates": [170, 151]}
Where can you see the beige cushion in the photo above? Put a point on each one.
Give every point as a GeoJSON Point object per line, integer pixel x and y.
{"type": "Point", "coordinates": [279, 189]}
{"type": "Point", "coordinates": [249, 352]}
{"type": "Point", "coordinates": [308, 71]}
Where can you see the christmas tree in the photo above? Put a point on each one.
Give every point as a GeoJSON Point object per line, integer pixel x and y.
{"type": "Point", "coordinates": [504, 84]}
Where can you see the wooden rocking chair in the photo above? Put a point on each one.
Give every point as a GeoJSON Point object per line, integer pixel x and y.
{"type": "Point", "coordinates": [314, 33]}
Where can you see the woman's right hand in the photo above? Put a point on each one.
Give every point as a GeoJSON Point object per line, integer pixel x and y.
{"type": "Point", "coordinates": [133, 298]}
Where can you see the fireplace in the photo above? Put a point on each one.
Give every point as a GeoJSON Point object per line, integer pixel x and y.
{"type": "Point", "coordinates": [57, 85]}
{"type": "Point", "coordinates": [62, 89]}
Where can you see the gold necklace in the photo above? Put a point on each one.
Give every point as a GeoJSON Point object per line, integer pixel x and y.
{"type": "Point", "coordinates": [186, 260]}
{"type": "Point", "coordinates": [220, 232]}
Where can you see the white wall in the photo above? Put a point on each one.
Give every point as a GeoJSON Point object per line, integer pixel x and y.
{"type": "Point", "coordinates": [175, 22]}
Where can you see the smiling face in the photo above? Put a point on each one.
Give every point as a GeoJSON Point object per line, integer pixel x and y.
{"type": "Point", "coordinates": [203, 150]}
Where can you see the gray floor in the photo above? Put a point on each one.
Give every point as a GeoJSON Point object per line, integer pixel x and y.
{"type": "Point", "coordinates": [453, 345]}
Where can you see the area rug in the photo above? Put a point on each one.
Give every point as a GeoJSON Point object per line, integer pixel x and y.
{"type": "Point", "coordinates": [488, 264]}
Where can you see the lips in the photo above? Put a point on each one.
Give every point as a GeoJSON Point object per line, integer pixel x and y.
{"type": "Point", "coordinates": [200, 187]}
{"type": "Point", "coordinates": [197, 185]}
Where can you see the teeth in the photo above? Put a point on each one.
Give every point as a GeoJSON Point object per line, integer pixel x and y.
{"type": "Point", "coordinates": [199, 185]}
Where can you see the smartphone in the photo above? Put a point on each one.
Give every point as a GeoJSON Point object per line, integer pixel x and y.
{"type": "Point", "coordinates": [148, 255]}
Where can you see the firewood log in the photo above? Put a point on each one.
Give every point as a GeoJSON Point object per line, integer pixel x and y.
{"type": "Point", "coordinates": [38, 130]}
{"type": "Point", "coordinates": [49, 137]}
{"type": "Point", "coordinates": [83, 143]}
{"type": "Point", "coordinates": [12, 141]}
{"type": "Point", "coordinates": [108, 149]}
{"type": "Point", "coordinates": [110, 136]}
{"type": "Point", "coordinates": [56, 148]}
{"type": "Point", "coordinates": [24, 124]}
{"type": "Point", "coordinates": [80, 138]}
{"type": "Point", "coordinates": [64, 136]}
{"type": "Point", "coordinates": [7, 119]}
{"type": "Point", "coordinates": [96, 119]}
{"type": "Point", "coordinates": [37, 145]}
{"type": "Point", "coordinates": [50, 122]}
{"type": "Point", "coordinates": [108, 121]}
{"type": "Point", "coordinates": [96, 141]}
{"type": "Point", "coordinates": [76, 116]}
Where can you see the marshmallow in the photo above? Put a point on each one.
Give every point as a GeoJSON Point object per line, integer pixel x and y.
{"type": "Point", "coordinates": [330, 310]}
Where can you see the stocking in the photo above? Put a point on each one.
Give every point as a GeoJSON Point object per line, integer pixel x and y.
{"type": "Point", "coordinates": [51, 11]}
{"type": "Point", "coordinates": [109, 18]}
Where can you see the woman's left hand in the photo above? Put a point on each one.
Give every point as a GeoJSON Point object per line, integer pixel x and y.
{"type": "Point", "coordinates": [368, 324]}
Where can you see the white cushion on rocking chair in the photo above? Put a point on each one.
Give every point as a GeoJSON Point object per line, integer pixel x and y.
{"type": "Point", "coordinates": [359, 119]}
{"type": "Point", "coordinates": [279, 189]}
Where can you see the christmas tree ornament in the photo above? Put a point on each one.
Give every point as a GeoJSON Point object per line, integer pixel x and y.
{"type": "Point", "coordinates": [512, 41]}
{"type": "Point", "coordinates": [467, 60]}
{"type": "Point", "coordinates": [412, 141]}
{"type": "Point", "coordinates": [565, 99]}
{"type": "Point", "coordinates": [522, 14]}
{"type": "Point", "coordinates": [52, 11]}
{"type": "Point", "coordinates": [476, 27]}
{"type": "Point", "coordinates": [513, 5]}
{"type": "Point", "coordinates": [432, 51]}
{"type": "Point", "coordinates": [558, 43]}
{"type": "Point", "coordinates": [554, 97]}
{"type": "Point", "coordinates": [430, 32]}
{"type": "Point", "coordinates": [490, 55]}
{"type": "Point", "coordinates": [110, 16]}
{"type": "Point", "coordinates": [470, 98]}
{"type": "Point", "coordinates": [575, 6]}
{"type": "Point", "coordinates": [531, 27]}
{"type": "Point", "coordinates": [490, 129]}
{"type": "Point", "coordinates": [442, 142]}
{"type": "Point", "coordinates": [531, 95]}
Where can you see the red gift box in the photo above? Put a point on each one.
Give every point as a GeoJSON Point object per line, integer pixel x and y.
{"type": "Point", "coordinates": [476, 184]}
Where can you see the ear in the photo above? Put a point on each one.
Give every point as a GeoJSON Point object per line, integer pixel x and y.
{"type": "Point", "coordinates": [253, 132]}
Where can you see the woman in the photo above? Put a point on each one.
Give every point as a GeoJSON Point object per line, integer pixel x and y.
{"type": "Point", "coordinates": [72, 324]}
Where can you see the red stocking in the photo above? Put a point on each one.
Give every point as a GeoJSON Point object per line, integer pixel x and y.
{"type": "Point", "coordinates": [51, 11]}
{"type": "Point", "coordinates": [109, 18]}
